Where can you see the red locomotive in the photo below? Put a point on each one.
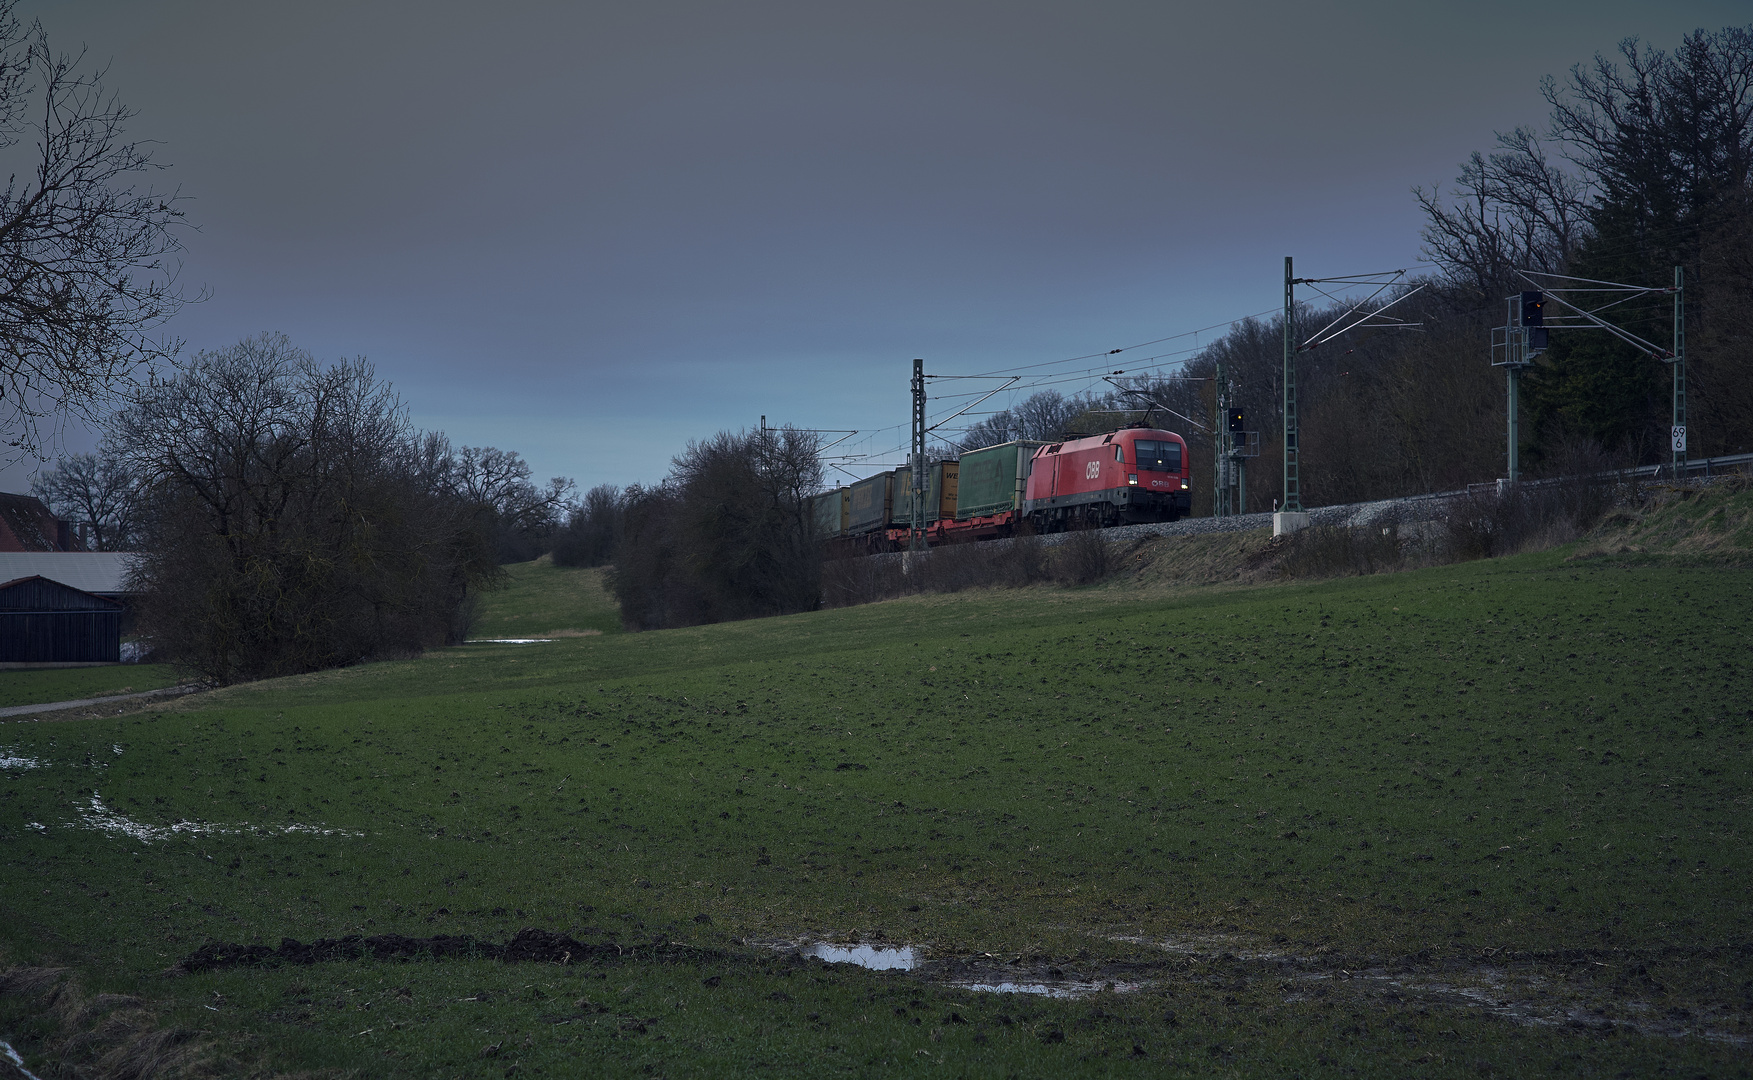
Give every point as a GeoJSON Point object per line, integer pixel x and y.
{"type": "Point", "coordinates": [1122, 478]}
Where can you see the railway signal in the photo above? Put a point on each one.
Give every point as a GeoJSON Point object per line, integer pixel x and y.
{"type": "Point", "coordinates": [1577, 303]}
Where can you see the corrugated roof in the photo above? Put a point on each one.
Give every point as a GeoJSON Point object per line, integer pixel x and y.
{"type": "Point", "coordinates": [101, 572]}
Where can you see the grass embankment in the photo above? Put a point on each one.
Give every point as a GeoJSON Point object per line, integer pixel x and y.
{"type": "Point", "coordinates": [1712, 526]}
{"type": "Point", "coordinates": [543, 600]}
{"type": "Point", "coordinates": [33, 686]}
{"type": "Point", "coordinates": [1310, 818]}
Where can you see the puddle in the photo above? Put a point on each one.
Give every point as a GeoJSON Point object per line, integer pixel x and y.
{"type": "Point", "coordinates": [874, 957]}
{"type": "Point", "coordinates": [906, 958]}
{"type": "Point", "coordinates": [508, 641]}
{"type": "Point", "coordinates": [9, 760]}
{"type": "Point", "coordinates": [102, 818]}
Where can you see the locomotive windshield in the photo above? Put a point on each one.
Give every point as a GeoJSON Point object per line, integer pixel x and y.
{"type": "Point", "coordinates": [1158, 456]}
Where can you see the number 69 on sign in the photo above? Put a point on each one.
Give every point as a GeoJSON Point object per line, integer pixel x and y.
{"type": "Point", "coordinates": [1677, 435]}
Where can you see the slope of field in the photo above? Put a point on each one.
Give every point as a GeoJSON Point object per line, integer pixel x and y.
{"type": "Point", "coordinates": [541, 599]}
{"type": "Point", "coordinates": [1703, 526]}
{"type": "Point", "coordinates": [1478, 820]}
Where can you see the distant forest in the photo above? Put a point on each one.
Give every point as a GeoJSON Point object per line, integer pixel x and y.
{"type": "Point", "coordinates": [1645, 164]}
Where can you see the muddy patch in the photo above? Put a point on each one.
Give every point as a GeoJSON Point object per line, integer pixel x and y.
{"type": "Point", "coordinates": [1601, 990]}
{"type": "Point", "coordinates": [529, 946]}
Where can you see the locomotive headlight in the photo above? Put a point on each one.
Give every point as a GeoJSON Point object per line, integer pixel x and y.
{"type": "Point", "coordinates": [1132, 478]}
{"type": "Point", "coordinates": [1183, 483]}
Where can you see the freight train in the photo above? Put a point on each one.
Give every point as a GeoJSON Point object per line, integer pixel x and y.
{"type": "Point", "coordinates": [1120, 478]}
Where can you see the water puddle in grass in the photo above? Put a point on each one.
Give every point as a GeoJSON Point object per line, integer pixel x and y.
{"type": "Point", "coordinates": [906, 958]}
{"type": "Point", "coordinates": [102, 818]}
{"type": "Point", "coordinates": [508, 641]}
{"type": "Point", "coordinates": [874, 957]}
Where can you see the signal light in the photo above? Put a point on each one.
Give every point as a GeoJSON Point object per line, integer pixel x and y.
{"type": "Point", "coordinates": [1533, 308]}
{"type": "Point", "coordinates": [1237, 421]}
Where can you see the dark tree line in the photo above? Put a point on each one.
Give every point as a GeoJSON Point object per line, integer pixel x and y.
{"type": "Point", "coordinates": [289, 518]}
{"type": "Point", "coordinates": [594, 529]}
{"type": "Point", "coordinates": [726, 535]}
{"type": "Point", "coordinates": [1646, 164]}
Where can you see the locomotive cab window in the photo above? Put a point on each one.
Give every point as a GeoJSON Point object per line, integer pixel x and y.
{"type": "Point", "coordinates": [1158, 456]}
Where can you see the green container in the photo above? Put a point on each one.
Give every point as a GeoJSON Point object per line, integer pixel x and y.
{"type": "Point", "coordinates": [829, 512]}
{"type": "Point", "coordinates": [869, 502]}
{"type": "Point", "coordinates": [991, 479]}
{"type": "Point", "coordinates": [940, 494]}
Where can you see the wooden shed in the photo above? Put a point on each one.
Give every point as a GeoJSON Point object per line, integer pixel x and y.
{"type": "Point", "coordinates": [46, 622]}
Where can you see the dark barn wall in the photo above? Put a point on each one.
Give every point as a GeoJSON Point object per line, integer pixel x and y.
{"type": "Point", "coordinates": [43, 621]}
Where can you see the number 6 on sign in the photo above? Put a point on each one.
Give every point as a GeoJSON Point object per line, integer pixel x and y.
{"type": "Point", "coordinates": [1678, 435]}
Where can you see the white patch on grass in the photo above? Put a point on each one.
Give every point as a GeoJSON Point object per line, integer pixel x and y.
{"type": "Point", "coordinates": [1068, 989]}
{"type": "Point", "coordinates": [10, 760]}
{"type": "Point", "coordinates": [508, 641]}
{"type": "Point", "coordinates": [873, 957]}
{"type": "Point", "coordinates": [17, 1062]}
{"type": "Point", "coordinates": [102, 818]}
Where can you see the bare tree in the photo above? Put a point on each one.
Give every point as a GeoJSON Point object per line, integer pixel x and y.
{"type": "Point", "coordinates": [1041, 415]}
{"type": "Point", "coordinates": [1514, 209]}
{"type": "Point", "coordinates": [85, 275]}
{"type": "Point", "coordinates": [523, 515]}
{"type": "Point", "coordinates": [297, 521]}
{"type": "Point", "coordinates": [97, 491]}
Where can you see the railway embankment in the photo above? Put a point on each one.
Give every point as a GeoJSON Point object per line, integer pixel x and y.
{"type": "Point", "coordinates": [1700, 521]}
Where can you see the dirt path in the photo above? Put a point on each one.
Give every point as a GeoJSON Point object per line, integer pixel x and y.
{"type": "Point", "coordinates": [56, 706]}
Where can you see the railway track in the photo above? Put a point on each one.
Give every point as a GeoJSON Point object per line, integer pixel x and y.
{"type": "Point", "coordinates": [1406, 508]}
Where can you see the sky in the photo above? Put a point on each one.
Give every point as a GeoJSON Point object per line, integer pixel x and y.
{"type": "Point", "coordinates": [591, 232]}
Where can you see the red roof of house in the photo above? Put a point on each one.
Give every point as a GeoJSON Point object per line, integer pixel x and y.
{"type": "Point", "coordinates": [27, 525]}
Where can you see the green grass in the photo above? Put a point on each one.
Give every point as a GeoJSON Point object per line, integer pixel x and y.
{"type": "Point", "coordinates": [36, 686]}
{"type": "Point", "coordinates": [540, 599]}
{"type": "Point", "coordinates": [1527, 772]}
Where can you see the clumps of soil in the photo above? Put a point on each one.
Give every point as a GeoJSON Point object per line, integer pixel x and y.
{"type": "Point", "coordinates": [529, 946]}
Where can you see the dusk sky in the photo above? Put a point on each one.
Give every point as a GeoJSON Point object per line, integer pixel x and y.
{"type": "Point", "coordinates": [591, 232]}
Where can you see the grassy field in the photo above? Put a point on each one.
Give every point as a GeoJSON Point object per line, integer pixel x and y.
{"type": "Point", "coordinates": [1471, 821]}
{"type": "Point", "coordinates": [541, 599]}
{"type": "Point", "coordinates": [35, 686]}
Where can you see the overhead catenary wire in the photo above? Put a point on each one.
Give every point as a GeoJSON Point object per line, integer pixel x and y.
{"type": "Point", "coordinates": [1047, 379]}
